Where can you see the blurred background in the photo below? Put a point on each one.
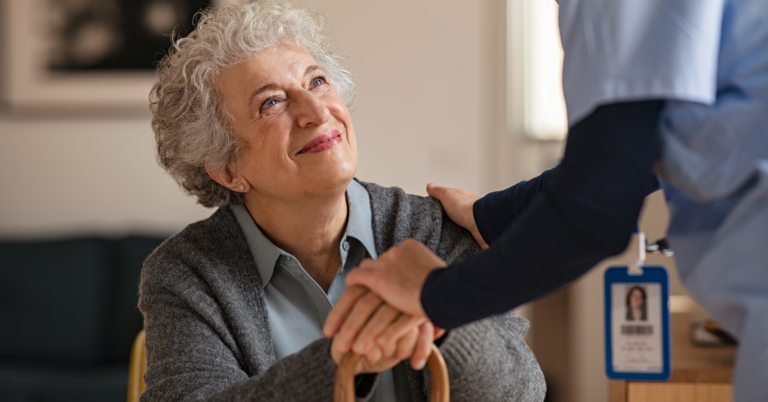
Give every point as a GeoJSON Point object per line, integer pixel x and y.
{"type": "Point", "coordinates": [463, 93]}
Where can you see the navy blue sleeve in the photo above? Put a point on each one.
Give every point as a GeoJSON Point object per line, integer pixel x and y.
{"type": "Point", "coordinates": [580, 213]}
{"type": "Point", "coordinates": [497, 210]}
{"type": "Point", "coordinates": [494, 212]}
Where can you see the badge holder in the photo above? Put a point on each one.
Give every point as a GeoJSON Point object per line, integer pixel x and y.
{"type": "Point", "coordinates": [637, 332]}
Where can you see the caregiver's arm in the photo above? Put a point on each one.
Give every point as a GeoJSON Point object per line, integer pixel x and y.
{"type": "Point", "coordinates": [504, 206]}
{"type": "Point", "coordinates": [587, 211]}
{"type": "Point", "coordinates": [487, 217]}
{"type": "Point", "coordinates": [495, 211]}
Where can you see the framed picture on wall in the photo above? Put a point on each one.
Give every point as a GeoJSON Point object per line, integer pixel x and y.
{"type": "Point", "coordinates": [87, 54]}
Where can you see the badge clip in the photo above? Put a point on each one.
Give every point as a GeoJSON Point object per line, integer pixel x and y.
{"type": "Point", "coordinates": [636, 254]}
{"type": "Point", "coordinates": [639, 246]}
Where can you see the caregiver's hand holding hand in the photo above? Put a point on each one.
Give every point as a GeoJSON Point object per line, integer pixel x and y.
{"type": "Point", "coordinates": [458, 204]}
{"type": "Point", "coordinates": [397, 276]}
{"type": "Point", "coordinates": [365, 313]}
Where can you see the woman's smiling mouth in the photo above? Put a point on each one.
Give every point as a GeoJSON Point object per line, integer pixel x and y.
{"type": "Point", "coordinates": [322, 142]}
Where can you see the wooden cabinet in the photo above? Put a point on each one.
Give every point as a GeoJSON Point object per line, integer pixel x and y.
{"type": "Point", "coordinates": [699, 374]}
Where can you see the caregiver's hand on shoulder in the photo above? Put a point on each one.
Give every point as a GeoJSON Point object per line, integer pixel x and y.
{"type": "Point", "coordinates": [458, 204]}
{"type": "Point", "coordinates": [367, 314]}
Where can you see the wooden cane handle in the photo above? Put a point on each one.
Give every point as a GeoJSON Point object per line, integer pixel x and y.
{"type": "Point", "coordinates": [344, 389]}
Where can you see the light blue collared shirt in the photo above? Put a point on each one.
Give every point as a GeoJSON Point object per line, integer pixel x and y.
{"type": "Point", "coordinates": [297, 305]}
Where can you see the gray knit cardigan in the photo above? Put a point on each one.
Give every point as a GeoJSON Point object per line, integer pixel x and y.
{"type": "Point", "coordinates": [208, 335]}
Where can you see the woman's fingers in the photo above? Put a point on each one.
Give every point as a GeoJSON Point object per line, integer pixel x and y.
{"type": "Point", "coordinates": [341, 309]}
{"type": "Point", "coordinates": [398, 328]}
{"type": "Point", "coordinates": [383, 316]}
{"type": "Point", "coordinates": [380, 332]}
{"type": "Point", "coordinates": [439, 332]}
{"type": "Point", "coordinates": [390, 352]}
{"type": "Point", "coordinates": [361, 311]}
{"type": "Point", "coordinates": [406, 344]}
{"type": "Point", "coordinates": [414, 342]}
{"type": "Point", "coordinates": [423, 346]}
{"type": "Point", "coordinates": [374, 355]}
{"type": "Point", "coordinates": [385, 357]}
{"type": "Point", "coordinates": [336, 354]}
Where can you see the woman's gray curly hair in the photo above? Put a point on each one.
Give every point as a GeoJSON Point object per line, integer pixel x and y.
{"type": "Point", "coordinates": [190, 124]}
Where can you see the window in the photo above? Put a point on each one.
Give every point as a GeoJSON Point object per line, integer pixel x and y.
{"type": "Point", "coordinates": [543, 102]}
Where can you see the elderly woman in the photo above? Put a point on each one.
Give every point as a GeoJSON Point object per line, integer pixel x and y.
{"type": "Point", "coordinates": [251, 116]}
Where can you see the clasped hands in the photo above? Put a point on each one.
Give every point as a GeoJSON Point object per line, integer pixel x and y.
{"type": "Point", "coordinates": [380, 315]}
{"type": "Point", "coordinates": [383, 335]}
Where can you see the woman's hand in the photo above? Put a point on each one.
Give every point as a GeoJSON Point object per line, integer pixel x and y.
{"type": "Point", "coordinates": [367, 318]}
{"type": "Point", "coordinates": [458, 204]}
{"type": "Point", "coordinates": [380, 358]}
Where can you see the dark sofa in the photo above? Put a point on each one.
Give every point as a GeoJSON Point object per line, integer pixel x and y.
{"type": "Point", "coordinates": [68, 317]}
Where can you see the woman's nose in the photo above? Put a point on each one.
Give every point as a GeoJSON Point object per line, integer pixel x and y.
{"type": "Point", "coordinates": [310, 110]}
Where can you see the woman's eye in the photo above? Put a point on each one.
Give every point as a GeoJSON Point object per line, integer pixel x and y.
{"type": "Point", "coordinates": [318, 81]}
{"type": "Point", "coordinates": [268, 103]}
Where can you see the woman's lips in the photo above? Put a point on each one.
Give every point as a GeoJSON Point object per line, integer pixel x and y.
{"type": "Point", "coordinates": [322, 143]}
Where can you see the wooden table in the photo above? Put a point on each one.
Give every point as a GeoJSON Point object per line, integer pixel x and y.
{"type": "Point", "coordinates": [699, 374]}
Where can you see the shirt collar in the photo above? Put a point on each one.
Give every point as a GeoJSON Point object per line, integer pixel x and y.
{"type": "Point", "coordinates": [360, 220]}
{"type": "Point", "coordinates": [266, 254]}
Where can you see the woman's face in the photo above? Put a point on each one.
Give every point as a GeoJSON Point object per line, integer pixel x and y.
{"type": "Point", "coordinates": [636, 298]}
{"type": "Point", "coordinates": [298, 134]}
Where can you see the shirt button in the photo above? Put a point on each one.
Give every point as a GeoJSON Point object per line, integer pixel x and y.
{"type": "Point", "coordinates": [345, 245]}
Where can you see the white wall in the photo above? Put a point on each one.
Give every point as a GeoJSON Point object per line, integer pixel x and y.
{"type": "Point", "coordinates": [65, 177]}
{"type": "Point", "coordinates": [422, 114]}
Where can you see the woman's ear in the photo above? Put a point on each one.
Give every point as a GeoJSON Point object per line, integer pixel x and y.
{"type": "Point", "coordinates": [229, 180]}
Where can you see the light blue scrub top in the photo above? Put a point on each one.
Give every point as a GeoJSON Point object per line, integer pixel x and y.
{"type": "Point", "coordinates": [709, 60]}
{"type": "Point", "coordinates": [297, 305]}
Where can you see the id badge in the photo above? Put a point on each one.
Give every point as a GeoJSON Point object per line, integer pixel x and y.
{"type": "Point", "coordinates": [637, 342]}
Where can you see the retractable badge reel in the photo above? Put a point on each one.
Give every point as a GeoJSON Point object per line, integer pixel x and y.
{"type": "Point", "coordinates": [637, 342]}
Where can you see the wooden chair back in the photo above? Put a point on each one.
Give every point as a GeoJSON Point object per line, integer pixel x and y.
{"type": "Point", "coordinates": [137, 369]}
